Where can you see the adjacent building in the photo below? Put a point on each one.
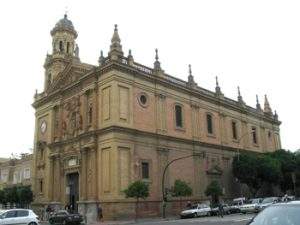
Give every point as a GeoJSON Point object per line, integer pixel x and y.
{"type": "Point", "coordinates": [16, 171]}
{"type": "Point", "coordinates": [100, 127]}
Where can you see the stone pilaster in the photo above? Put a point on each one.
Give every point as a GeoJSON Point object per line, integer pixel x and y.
{"type": "Point", "coordinates": [56, 184]}
{"type": "Point", "coordinates": [95, 106]}
{"type": "Point", "coordinates": [51, 178]}
{"type": "Point", "coordinates": [195, 121]}
{"type": "Point", "coordinates": [83, 175]}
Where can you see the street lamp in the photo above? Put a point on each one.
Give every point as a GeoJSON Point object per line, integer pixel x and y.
{"type": "Point", "coordinates": [164, 197]}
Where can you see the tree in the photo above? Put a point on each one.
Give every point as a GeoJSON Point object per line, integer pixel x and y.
{"type": "Point", "coordinates": [138, 190]}
{"type": "Point", "coordinates": [2, 197]}
{"type": "Point", "coordinates": [214, 190]}
{"type": "Point", "coordinates": [25, 195]}
{"type": "Point", "coordinates": [245, 168]}
{"type": "Point", "coordinates": [11, 195]}
{"type": "Point", "coordinates": [181, 189]}
{"type": "Point", "coordinates": [288, 166]}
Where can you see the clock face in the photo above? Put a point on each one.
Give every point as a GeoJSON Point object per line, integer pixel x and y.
{"type": "Point", "coordinates": [43, 126]}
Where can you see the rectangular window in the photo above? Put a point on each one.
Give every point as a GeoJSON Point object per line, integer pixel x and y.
{"type": "Point", "coordinates": [178, 116]}
{"type": "Point", "coordinates": [254, 135]}
{"type": "Point", "coordinates": [145, 170]}
{"type": "Point", "coordinates": [209, 123]}
{"type": "Point", "coordinates": [41, 186]}
{"type": "Point", "coordinates": [234, 130]}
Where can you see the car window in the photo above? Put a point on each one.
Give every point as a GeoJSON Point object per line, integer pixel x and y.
{"type": "Point", "coordinates": [61, 213]}
{"type": "Point", "coordinates": [22, 213]}
{"type": "Point", "coordinates": [11, 214]}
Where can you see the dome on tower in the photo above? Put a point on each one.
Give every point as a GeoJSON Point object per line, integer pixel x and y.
{"type": "Point", "coordinates": [64, 24]}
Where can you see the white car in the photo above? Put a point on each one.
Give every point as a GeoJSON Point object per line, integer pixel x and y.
{"type": "Point", "coordinates": [196, 210]}
{"type": "Point", "coordinates": [250, 207]}
{"type": "Point", "coordinates": [267, 202]}
{"type": "Point", "coordinates": [19, 216]}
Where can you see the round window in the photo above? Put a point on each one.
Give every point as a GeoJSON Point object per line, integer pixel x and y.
{"type": "Point", "coordinates": [143, 99]}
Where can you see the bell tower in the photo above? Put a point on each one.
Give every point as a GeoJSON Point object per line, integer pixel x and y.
{"type": "Point", "coordinates": [64, 50]}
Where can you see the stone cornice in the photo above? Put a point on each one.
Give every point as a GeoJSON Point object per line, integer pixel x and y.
{"type": "Point", "coordinates": [168, 81]}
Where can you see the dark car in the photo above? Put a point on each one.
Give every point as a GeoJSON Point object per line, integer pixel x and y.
{"type": "Point", "coordinates": [64, 217]}
{"type": "Point", "coordinates": [278, 214]}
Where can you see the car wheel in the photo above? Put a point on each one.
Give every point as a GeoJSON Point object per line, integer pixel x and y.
{"type": "Point", "coordinates": [195, 215]}
{"type": "Point", "coordinates": [64, 222]}
{"type": "Point", "coordinates": [32, 223]}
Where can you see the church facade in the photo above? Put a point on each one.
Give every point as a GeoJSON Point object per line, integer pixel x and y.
{"type": "Point", "coordinates": [99, 128]}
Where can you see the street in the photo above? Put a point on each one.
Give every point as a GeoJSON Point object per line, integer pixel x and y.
{"type": "Point", "coordinates": [236, 219]}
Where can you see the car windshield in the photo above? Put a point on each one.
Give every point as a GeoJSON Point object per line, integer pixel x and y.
{"type": "Point", "coordinates": [255, 201]}
{"type": "Point", "coordinates": [194, 207]}
{"type": "Point", "coordinates": [278, 215]}
{"type": "Point", "coordinates": [267, 200]}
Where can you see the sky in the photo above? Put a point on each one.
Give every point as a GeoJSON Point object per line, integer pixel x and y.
{"type": "Point", "coordinates": [252, 44]}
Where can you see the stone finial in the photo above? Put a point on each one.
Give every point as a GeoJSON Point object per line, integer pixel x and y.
{"type": "Point", "coordinates": [218, 89]}
{"type": "Point", "coordinates": [258, 107]}
{"type": "Point", "coordinates": [115, 47]}
{"type": "Point", "coordinates": [275, 115]}
{"type": "Point", "coordinates": [191, 81]}
{"type": "Point", "coordinates": [267, 108]}
{"type": "Point", "coordinates": [157, 67]}
{"type": "Point", "coordinates": [130, 57]}
{"type": "Point", "coordinates": [240, 98]}
{"type": "Point", "coordinates": [76, 51]}
{"type": "Point", "coordinates": [101, 59]}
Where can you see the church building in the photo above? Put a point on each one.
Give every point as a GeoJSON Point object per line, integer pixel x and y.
{"type": "Point", "coordinates": [99, 128]}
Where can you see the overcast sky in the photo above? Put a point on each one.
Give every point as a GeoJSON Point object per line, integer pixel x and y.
{"type": "Point", "coordinates": [254, 44]}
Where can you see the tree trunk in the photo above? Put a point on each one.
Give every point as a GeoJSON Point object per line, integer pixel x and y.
{"type": "Point", "coordinates": [180, 201]}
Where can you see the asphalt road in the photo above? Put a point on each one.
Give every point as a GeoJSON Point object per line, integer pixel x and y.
{"type": "Point", "coordinates": [235, 219]}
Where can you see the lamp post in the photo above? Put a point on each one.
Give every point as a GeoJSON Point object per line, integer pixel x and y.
{"type": "Point", "coordinates": [164, 197]}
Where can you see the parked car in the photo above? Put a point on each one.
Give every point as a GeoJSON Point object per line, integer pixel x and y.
{"type": "Point", "coordinates": [215, 210]}
{"type": "Point", "coordinates": [196, 210]}
{"type": "Point", "coordinates": [266, 202]}
{"type": "Point", "coordinates": [251, 205]}
{"type": "Point", "coordinates": [278, 214]}
{"type": "Point", "coordinates": [234, 207]}
{"type": "Point", "coordinates": [64, 217]}
{"type": "Point", "coordinates": [19, 216]}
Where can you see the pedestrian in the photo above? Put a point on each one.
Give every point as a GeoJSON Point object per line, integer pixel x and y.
{"type": "Point", "coordinates": [189, 205]}
{"type": "Point", "coordinates": [221, 210]}
{"type": "Point", "coordinates": [100, 212]}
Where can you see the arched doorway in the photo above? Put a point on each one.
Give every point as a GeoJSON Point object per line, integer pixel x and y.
{"type": "Point", "coordinates": [73, 190]}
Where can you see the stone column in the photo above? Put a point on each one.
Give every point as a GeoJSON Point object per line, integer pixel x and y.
{"type": "Point", "coordinates": [51, 178]}
{"type": "Point", "coordinates": [95, 106]}
{"type": "Point", "coordinates": [56, 184]}
{"type": "Point", "coordinates": [94, 179]}
{"type": "Point", "coordinates": [223, 129]}
{"type": "Point", "coordinates": [83, 175]}
{"type": "Point", "coordinates": [85, 110]}
{"type": "Point", "coordinates": [195, 122]}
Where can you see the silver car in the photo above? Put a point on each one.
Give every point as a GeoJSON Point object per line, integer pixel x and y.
{"type": "Point", "coordinates": [196, 210]}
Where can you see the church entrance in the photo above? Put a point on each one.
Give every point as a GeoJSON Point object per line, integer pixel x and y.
{"type": "Point", "coordinates": [73, 191]}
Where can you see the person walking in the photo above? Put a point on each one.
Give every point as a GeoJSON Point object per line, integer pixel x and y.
{"type": "Point", "coordinates": [100, 212]}
{"type": "Point", "coordinates": [221, 210]}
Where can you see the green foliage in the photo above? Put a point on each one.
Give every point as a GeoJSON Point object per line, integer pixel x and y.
{"type": "Point", "coordinates": [138, 189]}
{"type": "Point", "coordinates": [20, 195]}
{"type": "Point", "coordinates": [214, 190]}
{"type": "Point", "coordinates": [245, 169]}
{"type": "Point", "coordinates": [272, 168]}
{"type": "Point", "coordinates": [269, 169]}
{"type": "Point", "coordinates": [25, 195]}
{"type": "Point", "coordinates": [181, 189]}
{"type": "Point", "coordinates": [2, 197]}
